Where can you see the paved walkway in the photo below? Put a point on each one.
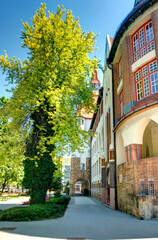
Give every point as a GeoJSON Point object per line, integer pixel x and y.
{"type": "Point", "coordinates": [13, 202]}
{"type": "Point", "coordinates": [85, 218]}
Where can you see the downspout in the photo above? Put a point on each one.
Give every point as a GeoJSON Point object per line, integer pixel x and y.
{"type": "Point", "coordinates": [90, 165]}
{"type": "Point", "coordinates": [110, 66]}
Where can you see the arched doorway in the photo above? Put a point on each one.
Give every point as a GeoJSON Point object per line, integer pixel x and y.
{"type": "Point", "coordinates": [120, 150]}
{"type": "Point", "coordinates": [81, 187]}
{"type": "Point", "coordinates": [150, 140]}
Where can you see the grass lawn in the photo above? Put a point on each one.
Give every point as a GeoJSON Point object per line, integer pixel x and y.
{"type": "Point", "coordinates": [53, 208]}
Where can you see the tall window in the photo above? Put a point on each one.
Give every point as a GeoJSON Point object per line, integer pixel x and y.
{"type": "Point", "coordinates": [151, 189]}
{"type": "Point", "coordinates": [142, 186]}
{"type": "Point", "coordinates": [143, 41]}
{"type": "Point", "coordinates": [146, 80]}
{"type": "Point", "coordinates": [121, 103]}
{"type": "Point", "coordinates": [83, 167]}
{"type": "Point", "coordinates": [120, 70]}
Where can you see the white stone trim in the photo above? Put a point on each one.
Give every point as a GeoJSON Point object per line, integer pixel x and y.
{"type": "Point", "coordinates": [120, 87]}
{"type": "Point", "coordinates": [143, 60]}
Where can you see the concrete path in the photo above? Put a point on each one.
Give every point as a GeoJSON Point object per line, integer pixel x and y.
{"type": "Point", "coordinates": [13, 202]}
{"type": "Point", "coordinates": [85, 218]}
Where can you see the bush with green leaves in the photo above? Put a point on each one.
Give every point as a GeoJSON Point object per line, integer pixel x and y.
{"type": "Point", "coordinates": [64, 200]}
{"type": "Point", "coordinates": [66, 186]}
{"type": "Point", "coordinates": [51, 209]}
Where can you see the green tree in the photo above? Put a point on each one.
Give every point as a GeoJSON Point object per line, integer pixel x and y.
{"type": "Point", "coordinates": [11, 150]}
{"type": "Point", "coordinates": [50, 85]}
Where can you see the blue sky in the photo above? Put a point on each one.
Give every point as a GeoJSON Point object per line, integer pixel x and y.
{"type": "Point", "coordinates": [100, 16]}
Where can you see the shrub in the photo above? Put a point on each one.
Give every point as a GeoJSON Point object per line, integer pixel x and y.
{"type": "Point", "coordinates": [35, 212]}
{"type": "Point", "coordinates": [64, 200]}
{"type": "Point", "coordinates": [66, 187]}
{"type": "Point", "coordinates": [57, 193]}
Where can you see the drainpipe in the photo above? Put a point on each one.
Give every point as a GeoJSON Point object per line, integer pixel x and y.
{"type": "Point", "coordinates": [90, 165]}
{"type": "Point", "coordinates": [110, 66]}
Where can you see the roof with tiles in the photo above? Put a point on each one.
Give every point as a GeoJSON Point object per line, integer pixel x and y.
{"type": "Point", "coordinates": [82, 112]}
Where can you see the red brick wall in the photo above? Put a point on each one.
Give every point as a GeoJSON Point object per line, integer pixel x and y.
{"type": "Point", "coordinates": [150, 99]}
{"type": "Point", "coordinates": [127, 75]}
{"type": "Point", "coordinates": [155, 29]}
{"type": "Point", "coordinates": [129, 94]}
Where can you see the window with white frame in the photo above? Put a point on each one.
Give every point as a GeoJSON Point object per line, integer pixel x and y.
{"type": "Point", "coordinates": [139, 91]}
{"type": "Point", "coordinates": [154, 82]}
{"type": "Point", "coordinates": [136, 43]}
{"type": "Point", "coordinates": [149, 32]}
{"type": "Point", "coordinates": [146, 80]}
{"type": "Point", "coordinates": [143, 41]}
{"type": "Point", "coordinates": [146, 87]}
{"type": "Point", "coordinates": [142, 37]}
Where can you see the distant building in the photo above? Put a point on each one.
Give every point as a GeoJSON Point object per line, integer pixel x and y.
{"type": "Point", "coordinates": [97, 153]}
{"type": "Point", "coordinates": [80, 161]}
{"type": "Point", "coordinates": [66, 169]}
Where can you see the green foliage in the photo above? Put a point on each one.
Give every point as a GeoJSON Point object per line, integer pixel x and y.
{"type": "Point", "coordinates": [54, 209]}
{"type": "Point", "coordinates": [38, 164]}
{"type": "Point", "coordinates": [56, 186]}
{"type": "Point", "coordinates": [66, 186]}
{"type": "Point", "coordinates": [34, 212]}
{"type": "Point", "coordinates": [11, 150]}
{"type": "Point", "coordinates": [64, 199]}
{"type": "Point", "coordinates": [51, 84]}
{"type": "Point", "coordinates": [58, 69]}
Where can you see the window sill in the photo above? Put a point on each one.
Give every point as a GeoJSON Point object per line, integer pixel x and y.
{"type": "Point", "coordinates": [120, 87]}
{"type": "Point", "coordinates": [143, 60]}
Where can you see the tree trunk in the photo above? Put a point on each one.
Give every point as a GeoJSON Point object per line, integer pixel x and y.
{"type": "Point", "coordinates": [3, 185]}
{"type": "Point", "coordinates": [37, 196]}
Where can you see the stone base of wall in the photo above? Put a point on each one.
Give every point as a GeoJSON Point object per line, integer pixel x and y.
{"type": "Point", "coordinates": [112, 198]}
{"type": "Point", "coordinates": [96, 191]}
{"type": "Point", "coordinates": [128, 187]}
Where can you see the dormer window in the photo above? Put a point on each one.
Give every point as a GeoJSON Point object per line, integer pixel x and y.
{"type": "Point", "coordinates": [143, 41]}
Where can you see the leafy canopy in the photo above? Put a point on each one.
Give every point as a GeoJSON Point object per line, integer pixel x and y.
{"type": "Point", "coordinates": [11, 150]}
{"type": "Point", "coordinates": [58, 70]}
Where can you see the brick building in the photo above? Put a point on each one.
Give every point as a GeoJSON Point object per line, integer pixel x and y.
{"type": "Point", "coordinates": [133, 58]}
